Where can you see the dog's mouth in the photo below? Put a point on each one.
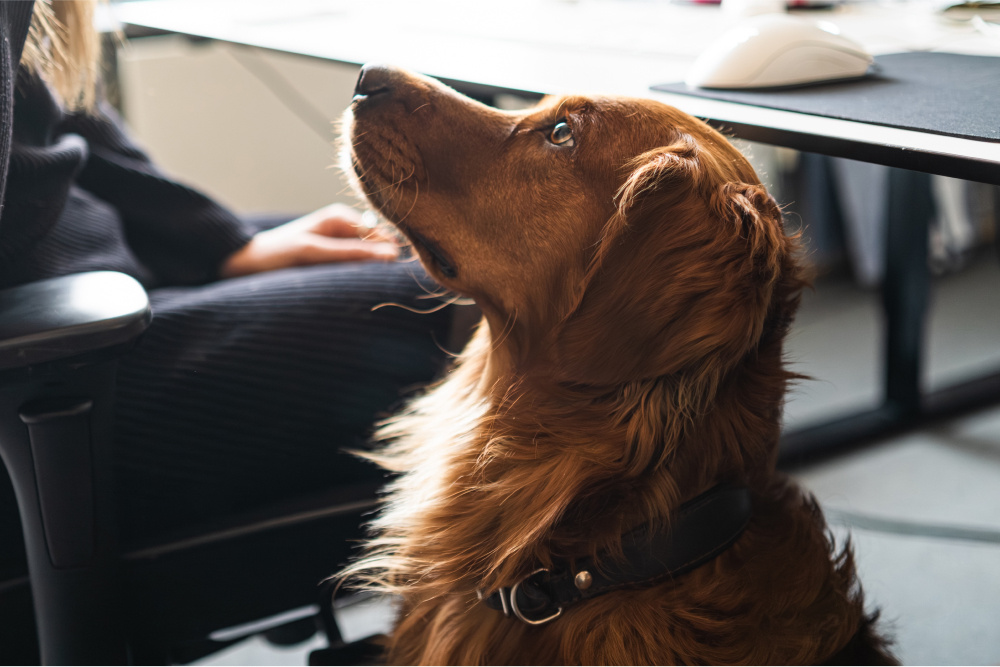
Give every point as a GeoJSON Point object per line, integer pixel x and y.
{"type": "Point", "coordinates": [441, 261]}
{"type": "Point", "coordinates": [370, 184]}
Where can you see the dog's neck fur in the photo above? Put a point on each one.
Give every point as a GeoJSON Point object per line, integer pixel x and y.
{"type": "Point", "coordinates": [520, 480]}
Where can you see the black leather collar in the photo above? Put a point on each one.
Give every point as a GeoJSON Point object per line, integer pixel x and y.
{"type": "Point", "coordinates": [700, 530]}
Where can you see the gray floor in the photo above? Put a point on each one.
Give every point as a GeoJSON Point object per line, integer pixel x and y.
{"type": "Point", "coordinates": [941, 594]}
{"type": "Point", "coordinates": [922, 510]}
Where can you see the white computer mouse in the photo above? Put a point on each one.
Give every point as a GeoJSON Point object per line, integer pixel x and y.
{"type": "Point", "coordinates": [778, 50]}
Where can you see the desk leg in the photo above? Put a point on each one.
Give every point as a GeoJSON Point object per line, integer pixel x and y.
{"type": "Point", "coordinates": [905, 290]}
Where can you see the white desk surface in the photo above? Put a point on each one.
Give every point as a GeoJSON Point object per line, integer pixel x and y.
{"type": "Point", "coordinates": [616, 47]}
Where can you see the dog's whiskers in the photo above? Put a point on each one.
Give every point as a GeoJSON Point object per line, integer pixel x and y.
{"type": "Point", "coordinates": [411, 309]}
{"type": "Point", "coordinates": [434, 295]}
{"type": "Point", "coordinates": [416, 195]}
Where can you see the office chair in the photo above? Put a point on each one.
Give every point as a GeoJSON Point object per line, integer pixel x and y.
{"type": "Point", "coordinates": [95, 601]}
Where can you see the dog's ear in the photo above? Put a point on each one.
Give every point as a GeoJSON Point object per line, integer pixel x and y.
{"type": "Point", "coordinates": [684, 274]}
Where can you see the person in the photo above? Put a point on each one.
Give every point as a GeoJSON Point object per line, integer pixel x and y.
{"type": "Point", "coordinates": [267, 355]}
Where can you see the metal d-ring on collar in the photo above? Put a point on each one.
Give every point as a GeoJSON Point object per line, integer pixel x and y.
{"type": "Point", "coordinates": [509, 604]}
{"type": "Point", "coordinates": [697, 532]}
{"type": "Point", "coordinates": [517, 610]}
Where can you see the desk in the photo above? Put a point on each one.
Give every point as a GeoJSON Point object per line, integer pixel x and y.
{"type": "Point", "coordinates": [559, 46]}
{"type": "Point", "coordinates": [623, 47]}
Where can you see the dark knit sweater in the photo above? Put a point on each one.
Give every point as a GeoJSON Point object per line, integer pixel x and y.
{"type": "Point", "coordinates": [80, 196]}
{"type": "Point", "coordinates": [15, 17]}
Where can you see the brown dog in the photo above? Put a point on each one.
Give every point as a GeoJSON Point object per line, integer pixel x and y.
{"type": "Point", "coordinates": [636, 285]}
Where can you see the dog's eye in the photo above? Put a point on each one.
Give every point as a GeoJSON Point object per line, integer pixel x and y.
{"type": "Point", "coordinates": [562, 135]}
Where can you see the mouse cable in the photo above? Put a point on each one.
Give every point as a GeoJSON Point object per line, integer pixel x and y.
{"type": "Point", "coordinates": [912, 528]}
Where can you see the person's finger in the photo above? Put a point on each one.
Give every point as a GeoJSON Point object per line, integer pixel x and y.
{"type": "Point", "coordinates": [341, 215]}
{"type": "Point", "coordinates": [337, 227]}
{"type": "Point", "coordinates": [344, 228]}
{"type": "Point", "coordinates": [322, 250]}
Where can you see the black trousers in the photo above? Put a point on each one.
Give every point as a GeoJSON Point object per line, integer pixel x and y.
{"type": "Point", "coordinates": [246, 392]}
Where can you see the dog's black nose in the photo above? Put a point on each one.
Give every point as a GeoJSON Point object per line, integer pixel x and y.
{"type": "Point", "coordinates": [373, 80]}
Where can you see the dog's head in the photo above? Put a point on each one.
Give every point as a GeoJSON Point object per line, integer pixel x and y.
{"type": "Point", "coordinates": [605, 239]}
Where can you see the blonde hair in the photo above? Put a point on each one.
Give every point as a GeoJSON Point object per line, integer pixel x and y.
{"type": "Point", "coordinates": [64, 49]}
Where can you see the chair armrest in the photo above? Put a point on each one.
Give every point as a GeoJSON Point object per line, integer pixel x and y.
{"type": "Point", "coordinates": [59, 340]}
{"type": "Point", "coordinates": [62, 318]}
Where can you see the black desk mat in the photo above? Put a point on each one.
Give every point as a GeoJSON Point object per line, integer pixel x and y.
{"type": "Point", "coordinates": [942, 93]}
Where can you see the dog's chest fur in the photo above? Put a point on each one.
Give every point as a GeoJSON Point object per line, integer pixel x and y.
{"type": "Point", "coordinates": [481, 503]}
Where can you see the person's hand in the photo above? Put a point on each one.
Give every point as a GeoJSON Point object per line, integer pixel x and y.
{"type": "Point", "coordinates": [334, 233]}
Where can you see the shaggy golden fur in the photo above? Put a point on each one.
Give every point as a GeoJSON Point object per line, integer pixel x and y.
{"type": "Point", "coordinates": [636, 284]}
